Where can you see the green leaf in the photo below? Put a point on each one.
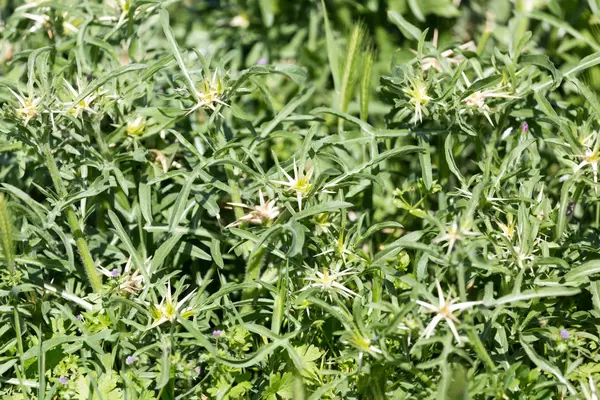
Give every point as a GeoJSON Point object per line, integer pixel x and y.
{"type": "Point", "coordinates": [180, 208]}
{"type": "Point", "coordinates": [542, 61]}
{"type": "Point", "coordinates": [6, 234]}
{"type": "Point", "coordinates": [215, 251]}
{"type": "Point", "coordinates": [165, 365]}
{"type": "Point", "coordinates": [408, 30]}
{"type": "Point", "coordinates": [416, 10]}
{"type": "Point", "coordinates": [425, 161]}
{"type": "Point", "coordinates": [332, 48]}
{"type": "Point", "coordinates": [163, 251]}
{"type": "Point", "coordinates": [585, 270]}
{"type": "Point", "coordinates": [590, 96]}
{"type": "Point", "coordinates": [514, 154]}
{"type": "Point", "coordinates": [448, 149]}
{"type": "Point", "coordinates": [137, 259]}
{"type": "Point", "coordinates": [297, 231]}
{"type": "Point", "coordinates": [561, 24]}
{"type": "Point", "coordinates": [164, 21]}
{"type": "Point", "coordinates": [287, 110]}
{"type": "Point", "coordinates": [145, 196]}
{"type": "Point", "coordinates": [544, 292]}
{"type": "Point", "coordinates": [545, 365]}
{"type": "Point", "coordinates": [482, 84]}
{"type": "Point", "coordinates": [376, 160]}
{"type": "Point", "coordinates": [329, 206]}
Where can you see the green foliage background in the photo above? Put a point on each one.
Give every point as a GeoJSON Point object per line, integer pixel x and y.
{"type": "Point", "coordinates": [263, 199]}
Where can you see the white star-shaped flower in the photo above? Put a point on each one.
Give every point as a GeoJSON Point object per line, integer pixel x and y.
{"type": "Point", "coordinates": [28, 109]}
{"type": "Point", "coordinates": [300, 183]}
{"type": "Point", "coordinates": [417, 96]}
{"type": "Point", "coordinates": [591, 158]}
{"type": "Point", "coordinates": [170, 308]}
{"type": "Point", "coordinates": [328, 281]}
{"type": "Point", "coordinates": [452, 235]}
{"type": "Point", "coordinates": [85, 104]}
{"type": "Point", "coordinates": [261, 214]}
{"type": "Point", "coordinates": [445, 311]}
{"type": "Point", "coordinates": [131, 282]}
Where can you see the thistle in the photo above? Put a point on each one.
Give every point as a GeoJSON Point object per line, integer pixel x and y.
{"type": "Point", "coordinates": [136, 126]}
{"type": "Point", "coordinates": [130, 282]}
{"type": "Point", "coordinates": [477, 101]}
{"type": "Point", "coordinates": [28, 109]}
{"type": "Point", "coordinates": [328, 281]}
{"type": "Point", "coordinates": [452, 235]}
{"type": "Point", "coordinates": [418, 97]}
{"type": "Point", "coordinates": [591, 158]}
{"type": "Point", "coordinates": [261, 214]}
{"type": "Point", "coordinates": [300, 183]}
{"type": "Point", "coordinates": [168, 309]}
{"type": "Point", "coordinates": [445, 311]}
{"type": "Point", "coordinates": [362, 343]}
{"type": "Point", "coordinates": [83, 105]}
{"type": "Point", "coordinates": [211, 92]}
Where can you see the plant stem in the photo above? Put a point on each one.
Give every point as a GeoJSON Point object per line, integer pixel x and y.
{"type": "Point", "coordinates": [21, 375]}
{"type": "Point", "coordinates": [84, 251]}
{"type": "Point", "coordinates": [6, 239]}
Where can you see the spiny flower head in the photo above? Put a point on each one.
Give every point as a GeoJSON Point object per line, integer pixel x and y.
{"type": "Point", "coordinates": [329, 281]}
{"type": "Point", "coordinates": [508, 229]}
{"type": "Point", "coordinates": [28, 109]}
{"type": "Point", "coordinates": [445, 310]}
{"type": "Point", "coordinates": [362, 343]}
{"type": "Point", "coordinates": [300, 183]}
{"type": "Point", "coordinates": [130, 282]}
{"type": "Point", "coordinates": [85, 104]}
{"type": "Point", "coordinates": [136, 126]}
{"type": "Point", "coordinates": [418, 97]}
{"type": "Point", "coordinates": [477, 100]}
{"type": "Point", "coordinates": [591, 158]}
{"type": "Point", "coordinates": [261, 214]}
{"type": "Point", "coordinates": [169, 308]}
{"type": "Point", "coordinates": [211, 91]}
{"type": "Point", "coordinates": [452, 235]}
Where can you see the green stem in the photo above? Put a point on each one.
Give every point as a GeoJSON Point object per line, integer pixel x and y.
{"type": "Point", "coordinates": [22, 376]}
{"type": "Point", "coordinates": [471, 332]}
{"type": "Point", "coordinates": [84, 251]}
{"type": "Point", "coordinates": [483, 41]}
{"type": "Point", "coordinates": [69, 296]}
{"type": "Point", "coordinates": [462, 282]}
{"type": "Point", "coordinates": [254, 263]}
{"type": "Point", "coordinates": [280, 299]}
{"type": "Point", "coordinates": [101, 142]}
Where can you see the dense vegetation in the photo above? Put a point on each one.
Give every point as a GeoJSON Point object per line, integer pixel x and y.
{"type": "Point", "coordinates": [299, 200]}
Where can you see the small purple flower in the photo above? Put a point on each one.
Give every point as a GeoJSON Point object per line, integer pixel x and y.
{"type": "Point", "coordinates": [130, 360]}
{"type": "Point", "coordinates": [79, 317]}
{"type": "Point", "coordinates": [114, 273]}
{"type": "Point", "coordinates": [262, 61]}
{"type": "Point", "coordinates": [565, 334]}
{"type": "Point", "coordinates": [217, 333]}
{"type": "Point", "coordinates": [198, 370]}
{"type": "Point", "coordinates": [525, 127]}
{"type": "Point", "coordinates": [63, 379]}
